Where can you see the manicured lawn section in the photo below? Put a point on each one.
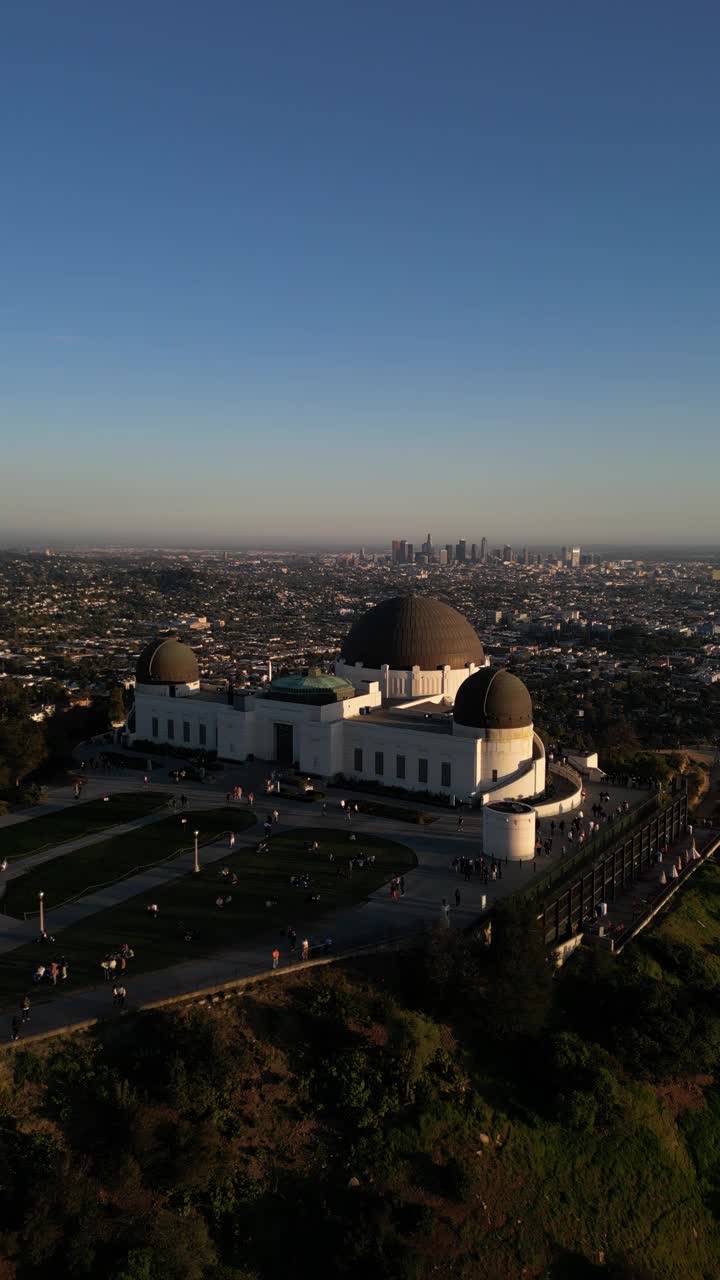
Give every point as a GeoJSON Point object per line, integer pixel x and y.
{"type": "Point", "coordinates": [74, 873]}
{"type": "Point", "coordinates": [77, 820]}
{"type": "Point", "coordinates": [190, 902]}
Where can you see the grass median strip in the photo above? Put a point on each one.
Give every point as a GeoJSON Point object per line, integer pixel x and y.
{"type": "Point", "coordinates": [189, 905]}
{"type": "Point", "coordinates": [74, 873]}
{"type": "Point", "coordinates": [76, 821]}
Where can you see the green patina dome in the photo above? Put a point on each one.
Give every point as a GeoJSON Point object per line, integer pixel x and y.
{"type": "Point", "coordinates": [311, 687]}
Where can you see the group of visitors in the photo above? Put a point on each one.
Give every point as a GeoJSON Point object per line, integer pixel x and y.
{"type": "Point", "coordinates": [51, 973]}
{"type": "Point", "coordinates": [486, 868]}
{"type": "Point", "coordinates": [116, 962]}
{"type": "Point", "coordinates": [237, 795]}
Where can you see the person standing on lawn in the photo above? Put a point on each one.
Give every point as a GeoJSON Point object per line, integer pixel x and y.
{"type": "Point", "coordinates": [275, 958]}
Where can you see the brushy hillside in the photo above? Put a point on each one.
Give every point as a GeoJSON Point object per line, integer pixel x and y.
{"type": "Point", "coordinates": [450, 1113]}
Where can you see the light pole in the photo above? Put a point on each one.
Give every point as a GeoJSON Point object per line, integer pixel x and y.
{"type": "Point", "coordinates": [41, 899]}
{"type": "Point", "coordinates": [197, 864]}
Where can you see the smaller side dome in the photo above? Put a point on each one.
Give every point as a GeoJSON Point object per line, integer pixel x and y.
{"type": "Point", "coordinates": [167, 661]}
{"type": "Point", "coordinates": [493, 699]}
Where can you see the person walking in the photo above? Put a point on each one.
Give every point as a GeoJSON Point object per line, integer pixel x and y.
{"type": "Point", "coordinates": [457, 897]}
{"type": "Point", "coordinates": [54, 971]}
{"type": "Point", "coordinates": [15, 1027]}
{"type": "Point", "coordinates": [25, 1008]}
{"type": "Point", "coordinates": [275, 958]}
{"type": "Point", "coordinates": [460, 823]}
{"type": "Point", "coordinates": [122, 993]}
{"type": "Point", "coordinates": [63, 969]}
{"type": "Point", "coordinates": [231, 840]}
{"type": "Point", "coordinates": [445, 913]}
{"type": "Point", "coordinates": [305, 953]}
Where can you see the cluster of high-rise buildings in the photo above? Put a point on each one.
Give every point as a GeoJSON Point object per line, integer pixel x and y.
{"type": "Point", "coordinates": [404, 552]}
{"type": "Point", "coordinates": [460, 552]}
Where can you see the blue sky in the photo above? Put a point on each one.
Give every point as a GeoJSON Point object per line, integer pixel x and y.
{"type": "Point", "coordinates": [347, 270]}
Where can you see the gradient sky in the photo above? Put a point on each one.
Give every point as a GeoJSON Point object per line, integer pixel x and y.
{"type": "Point", "coordinates": [355, 268]}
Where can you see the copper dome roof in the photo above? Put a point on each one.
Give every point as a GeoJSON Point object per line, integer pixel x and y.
{"type": "Point", "coordinates": [412, 631]}
{"type": "Point", "coordinates": [493, 699]}
{"type": "Point", "coordinates": [167, 661]}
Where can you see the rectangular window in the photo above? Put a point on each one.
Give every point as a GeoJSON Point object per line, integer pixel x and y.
{"type": "Point", "coordinates": [445, 774]}
{"type": "Point", "coordinates": [155, 727]}
{"type": "Point", "coordinates": [171, 729]}
{"type": "Point", "coordinates": [202, 731]}
{"type": "Point", "coordinates": [379, 763]}
{"type": "Point", "coordinates": [186, 730]}
{"type": "Point", "coordinates": [494, 777]}
{"type": "Point", "coordinates": [357, 766]}
{"type": "Point", "coordinates": [422, 770]}
{"type": "Point", "coordinates": [399, 766]}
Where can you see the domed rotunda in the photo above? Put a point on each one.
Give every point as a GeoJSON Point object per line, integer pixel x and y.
{"type": "Point", "coordinates": [166, 663]}
{"type": "Point", "coordinates": [414, 646]}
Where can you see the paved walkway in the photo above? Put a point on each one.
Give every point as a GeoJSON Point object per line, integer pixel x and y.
{"type": "Point", "coordinates": [432, 880]}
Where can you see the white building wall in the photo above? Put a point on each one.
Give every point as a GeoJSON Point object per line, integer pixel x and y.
{"type": "Point", "coordinates": [509, 835]}
{"type": "Point", "coordinates": [393, 741]}
{"type": "Point", "coordinates": [156, 710]}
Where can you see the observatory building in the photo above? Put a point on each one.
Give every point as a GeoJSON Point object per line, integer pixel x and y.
{"type": "Point", "coordinates": [412, 703]}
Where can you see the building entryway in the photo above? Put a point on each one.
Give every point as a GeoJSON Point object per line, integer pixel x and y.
{"type": "Point", "coordinates": [284, 753]}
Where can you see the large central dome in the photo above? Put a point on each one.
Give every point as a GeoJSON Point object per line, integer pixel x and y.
{"type": "Point", "coordinates": [412, 631]}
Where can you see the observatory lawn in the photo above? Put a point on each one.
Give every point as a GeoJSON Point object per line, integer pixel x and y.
{"type": "Point", "coordinates": [83, 870]}
{"type": "Point", "coordinates": [190, 904]}
{"type": "Point", "coordinates": [76, 821]}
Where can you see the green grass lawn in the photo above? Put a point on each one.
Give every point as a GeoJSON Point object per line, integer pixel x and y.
{"type": "Point", "coordinates": [77, 820]}
{"type": "Point", "coordinates": [190, 902]}
{"type": "Point", "coordinates": [78, 872]}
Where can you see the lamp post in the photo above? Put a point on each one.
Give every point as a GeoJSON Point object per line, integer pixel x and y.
{"type": "Point", "coordinates": [197, 864]}
{"type": "Point", "coordinates": [41, 899]}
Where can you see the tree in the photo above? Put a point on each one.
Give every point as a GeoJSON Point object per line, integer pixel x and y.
{"type": "Point", "coordinates": [415, 1040]}
{"type": "Point", "coordinates": [116, 706]}
{"type": "Point", "coordinates": [520, 978]}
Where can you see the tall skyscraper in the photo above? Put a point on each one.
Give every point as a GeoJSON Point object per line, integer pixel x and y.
{"type": "Point", "coordinates": [428, 548]}
{"type": "Point", "coordinates": [410, 553]}
{"type": "Point", "coordinates": [483, 550]}
{"type": "Point", "coordinates": [507, 554]}
{"type": "Point", "coordinates": [403, 551]}
{"type": "Point", "coordinates": [563, 554]}
{"type": "Point", "coordinates": [473, 552]}
{"type": "Point", "coordinates": [448, 552]}
{"type": "Point", "coordinates": [442, 555]}
{"type": "Point", "coordinates": [395, 552]}
{"type": "Point", "coordinates": [575, 558]}
{"type": "Point", "coordinates": [461, 551]}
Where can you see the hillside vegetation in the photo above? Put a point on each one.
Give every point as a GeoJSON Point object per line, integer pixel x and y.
{"type": "Point", "coordinates": [447, 1113]}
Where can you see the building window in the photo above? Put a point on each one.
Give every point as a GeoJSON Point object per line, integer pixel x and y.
{"type": "Point", "coordinates": [379, 763]}
{"type": "Point", "coordinates": [399, 766]}
{"type": "Point", "coordinates": [186, 730]}
{"type": "Point", "coordinates": [202, 731]}
{"type": "Point", "coordinates": [171, 729]}
{"type": "Point", "coordinates": [357, 766]}
{"type": "Point", "coordinates": [422, 770]}
{"type": "Point", "coordinates": [155, 727]}
{"type": "Point", "coordinates": [445, 774]}
{"type": "Point", "coordinates": [494, 777]}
